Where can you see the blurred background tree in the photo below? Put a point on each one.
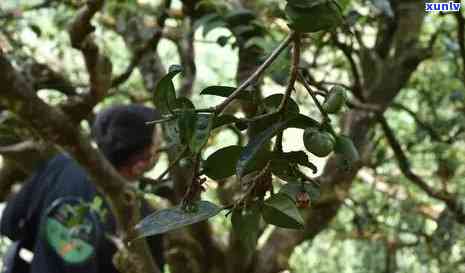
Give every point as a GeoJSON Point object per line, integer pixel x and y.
{"type": "Point", "coordinates": [400, 209]}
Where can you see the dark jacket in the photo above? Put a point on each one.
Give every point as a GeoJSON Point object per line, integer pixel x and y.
{"type": "Point", "coordinates": [30, 218]}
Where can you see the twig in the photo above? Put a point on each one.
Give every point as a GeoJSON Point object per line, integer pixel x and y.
{"type": "Point", "coordinates": [18, 147]}
{"type": "Point", "coordinates": [99, 67]}
{"type": "Point", "coordinates": [151, 44]}
{"type": "Point", "coordinates": [312, 94]}
{"type": "Point", "coordinates": [172, 164]}
{"type": "Point", "coordinates": [161, 120]}
{"type": "Point", "coordinates": [220, 107]}
{"type": "Point", "coordinates": [347, 51]}
{"type": "Point", "coordinates": [405, 168]}
{"type": "Point", "coordinates": [294, 72]}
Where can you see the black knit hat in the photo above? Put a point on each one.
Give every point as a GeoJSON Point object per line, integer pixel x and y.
{"type": "Point", "coordinates": [122, 131]}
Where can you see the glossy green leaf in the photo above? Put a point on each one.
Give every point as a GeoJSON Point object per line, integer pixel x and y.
{"type": "Point", "coordinates": [241, 125]}
{"type": "Point", "coordinates": [335, 100]}
{"type": "Point", "coordinates": [295, 120]}
{"type": "Point", "coordinates": [291, 190]}
{"type": "Point", "coordinates": [223, 120]}
{"type": "Point", "coordinates": [209, 22]}
{"type": "Point", "coordinates": [172, 133]}
{"type": "Point", "coordinates": [305, 4]}
{"type": "Point", "coordinates": [297, 157]}
{"type": "Point", "coordinates": [246, 223]}
{"type": "Point", "coordinates": [281, 211]}
{"type": "Point", "coordinates": [271, 104]}
{"type": "Point", "coordinates": [239, 17]}
{"type": "Point", "coordinates": [222, 163]}
{"type": "Point", "coordinates": [286, 170]}
{"type": "Point", "coordinates": [202, 128]}
{"type": "Point", "coordinates": [164, 95]}
{"type": "Point", "coordinates": [183, 103]}
{"type": "Point", "coordinates": [225, 91]}
{"type": "Point", "coordinates": [173, 218]}
{"type": "Point", "coordinates": [301, 121]}
{"type": "Point", "coordinates": [324, 16]}
{"type": "Point", "coordinates": [254, 146]}
{"type": "Point", "coordinates": [186, 121]}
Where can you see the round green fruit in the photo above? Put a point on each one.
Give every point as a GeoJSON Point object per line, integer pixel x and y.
{"type": "Point", "coordinates": [346, 148]}
{"type": "Point", "coordinates": [318, 142]}
{"type": "Point", "coordinates": [335, 100]}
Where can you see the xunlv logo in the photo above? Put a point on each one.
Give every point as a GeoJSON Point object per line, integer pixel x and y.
{"type": "Point", "coordinates": [451, 6]}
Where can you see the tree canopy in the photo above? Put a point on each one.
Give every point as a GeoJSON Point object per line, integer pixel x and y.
{"type": "Point", "coordinates": [311, 135]}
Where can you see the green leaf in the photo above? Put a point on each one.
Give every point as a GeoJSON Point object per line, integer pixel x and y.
{"type": "Point", "coordinates": [291, 190]}
{"type": "Point", "coordinates": [202, 128]}
{"type": "Point", "coordinates": [209, 22]}
{"type": "Point", "coordinates": [240, 17]}
{"type": "Point", "coordinates": [172, 133]}
{"type": "Point", "coordinates": [246, 223]}
{"type": "Point", "coordinates": [243, 30]}
{"type": "Point", "coordinates": [271, 104]}
{"type": "Point", "coordinates": [323, 16]}
{"type": "Point", "coordinates": [164, 95]}
{"type": "Point", "coordinates": [301, 121]}
{"type": "Point", "coordinates": [299, 157]}
{"type": "Point", "coordinates": [206, 19]}
{"type": "Point", "coordinates": [221, 164]}
{"type": "Point", "coordinates": [285, 170]}
{"type": "Point", "coordinates": [173, 218]}
{"type": "Point", "coordinates": [186, 121]}
{"type": "Point", "coordinates": [225, 91]}
{"type": "Point", "coordinates": [295, 121]}
{"type": "Point", "coordinates": [284, 165]}
{"type": "Point", "coordinates": [183, 103]}
{"type": "Point", "coordinates": [281, 211]}
{"type": "Point", "coordinates": [254, 146]}
{"type": "Point", "coordinates": [223, 120]}
{"type": "Point", "coordinates": [305, 4]}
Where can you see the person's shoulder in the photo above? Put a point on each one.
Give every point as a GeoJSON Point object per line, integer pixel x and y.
{"type": "Point", "coordinates": [72, 177]}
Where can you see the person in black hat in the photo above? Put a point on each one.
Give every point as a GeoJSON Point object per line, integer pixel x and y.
{"type": "Point", "coordinates": [58, 213]}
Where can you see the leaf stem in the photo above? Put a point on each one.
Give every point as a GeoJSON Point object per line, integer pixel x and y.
{"type": "Point", "coordinates": [172, 164]}
{"type": "Point", "coordinates": [220, 107]}
{"type": "Point", "coordinates": [313, 95]}
{"type": "Point", "coordinates": [293, 74]}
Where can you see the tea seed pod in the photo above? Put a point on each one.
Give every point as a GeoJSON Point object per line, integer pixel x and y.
{"type": "Point", "coordinates": [335, 101]}
{"type": "Point", "coordinates": [317, 142]}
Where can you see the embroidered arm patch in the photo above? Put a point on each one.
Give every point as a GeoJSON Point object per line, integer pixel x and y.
{"type": "Point", "coordinates": [71, 230]}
